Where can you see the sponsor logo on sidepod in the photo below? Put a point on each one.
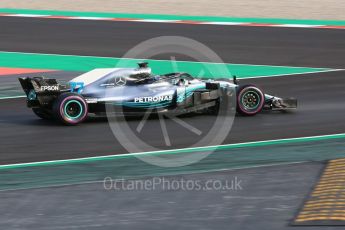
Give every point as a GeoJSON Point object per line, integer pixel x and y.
{"type": "Point", "coordinates": [153, 99]}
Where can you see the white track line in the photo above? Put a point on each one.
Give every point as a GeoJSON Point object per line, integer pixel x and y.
{"type": "Point", "coordinates": [193, 22]}
{"type": "Point", "coordinates": [173, 151]}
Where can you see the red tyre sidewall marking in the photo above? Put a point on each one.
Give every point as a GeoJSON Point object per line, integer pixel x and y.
{"type": "Point", "coordinates": [261, 102]}
{"type": "Point", "coordinates": [62, 107]}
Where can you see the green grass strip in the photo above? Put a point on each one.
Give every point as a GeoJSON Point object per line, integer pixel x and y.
{"type": "Point", "coordinates": [197, 69]}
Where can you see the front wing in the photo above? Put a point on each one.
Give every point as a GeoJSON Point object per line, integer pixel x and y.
{"type": "Point", "coordinates": [276, 103]}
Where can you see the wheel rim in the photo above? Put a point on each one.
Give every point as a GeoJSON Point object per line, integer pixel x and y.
{"type": "Point", "coordinates": [73, 109]}
{"type": "Point", "coordinates": [250, 100]}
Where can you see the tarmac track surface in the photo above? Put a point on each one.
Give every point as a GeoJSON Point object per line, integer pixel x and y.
{"type": "Point", "coordinates": [26, 138]}
{"type": "Point", "coordinates": [271, 195]}
{"type": "Point", "coordinates": [267, 199]}
{"type": "Point", "coordinates": [244, 45]}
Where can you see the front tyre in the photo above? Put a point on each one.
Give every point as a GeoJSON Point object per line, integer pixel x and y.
{"type": "Point", "coordinates": [70, 108]}
{"type": "Point", "coordinates": [250, 100]}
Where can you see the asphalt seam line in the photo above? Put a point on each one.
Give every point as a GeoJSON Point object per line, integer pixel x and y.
{"type": "Point", "coordinates": [158, 175]}
{"type": "Point", "coordinates": [291, 74]}
{"type": "Point", "coordinates": [190, 22]}
{"type": "Point", "coordinates": [177, 151]}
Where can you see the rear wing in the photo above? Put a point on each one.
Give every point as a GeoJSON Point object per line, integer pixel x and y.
{"type": "Point", "coordinates": [41, 91]}
{"type": "Point", "coordinates": [39, 85]}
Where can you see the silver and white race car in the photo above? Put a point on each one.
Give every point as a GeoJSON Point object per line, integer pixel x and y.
{"type": "Point", "coordinates": [136, 90]}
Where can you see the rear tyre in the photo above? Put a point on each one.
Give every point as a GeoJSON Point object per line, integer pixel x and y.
{"type": "Point", "coordinates": [70, 108]}
{"type": "Point", "coordinates": [41, 113]}
{"type": "Point", "coordinates": [250, 100]}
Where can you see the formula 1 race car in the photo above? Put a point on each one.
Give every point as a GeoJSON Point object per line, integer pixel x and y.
{"type": "Point", "coordinates": [136, 90]}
